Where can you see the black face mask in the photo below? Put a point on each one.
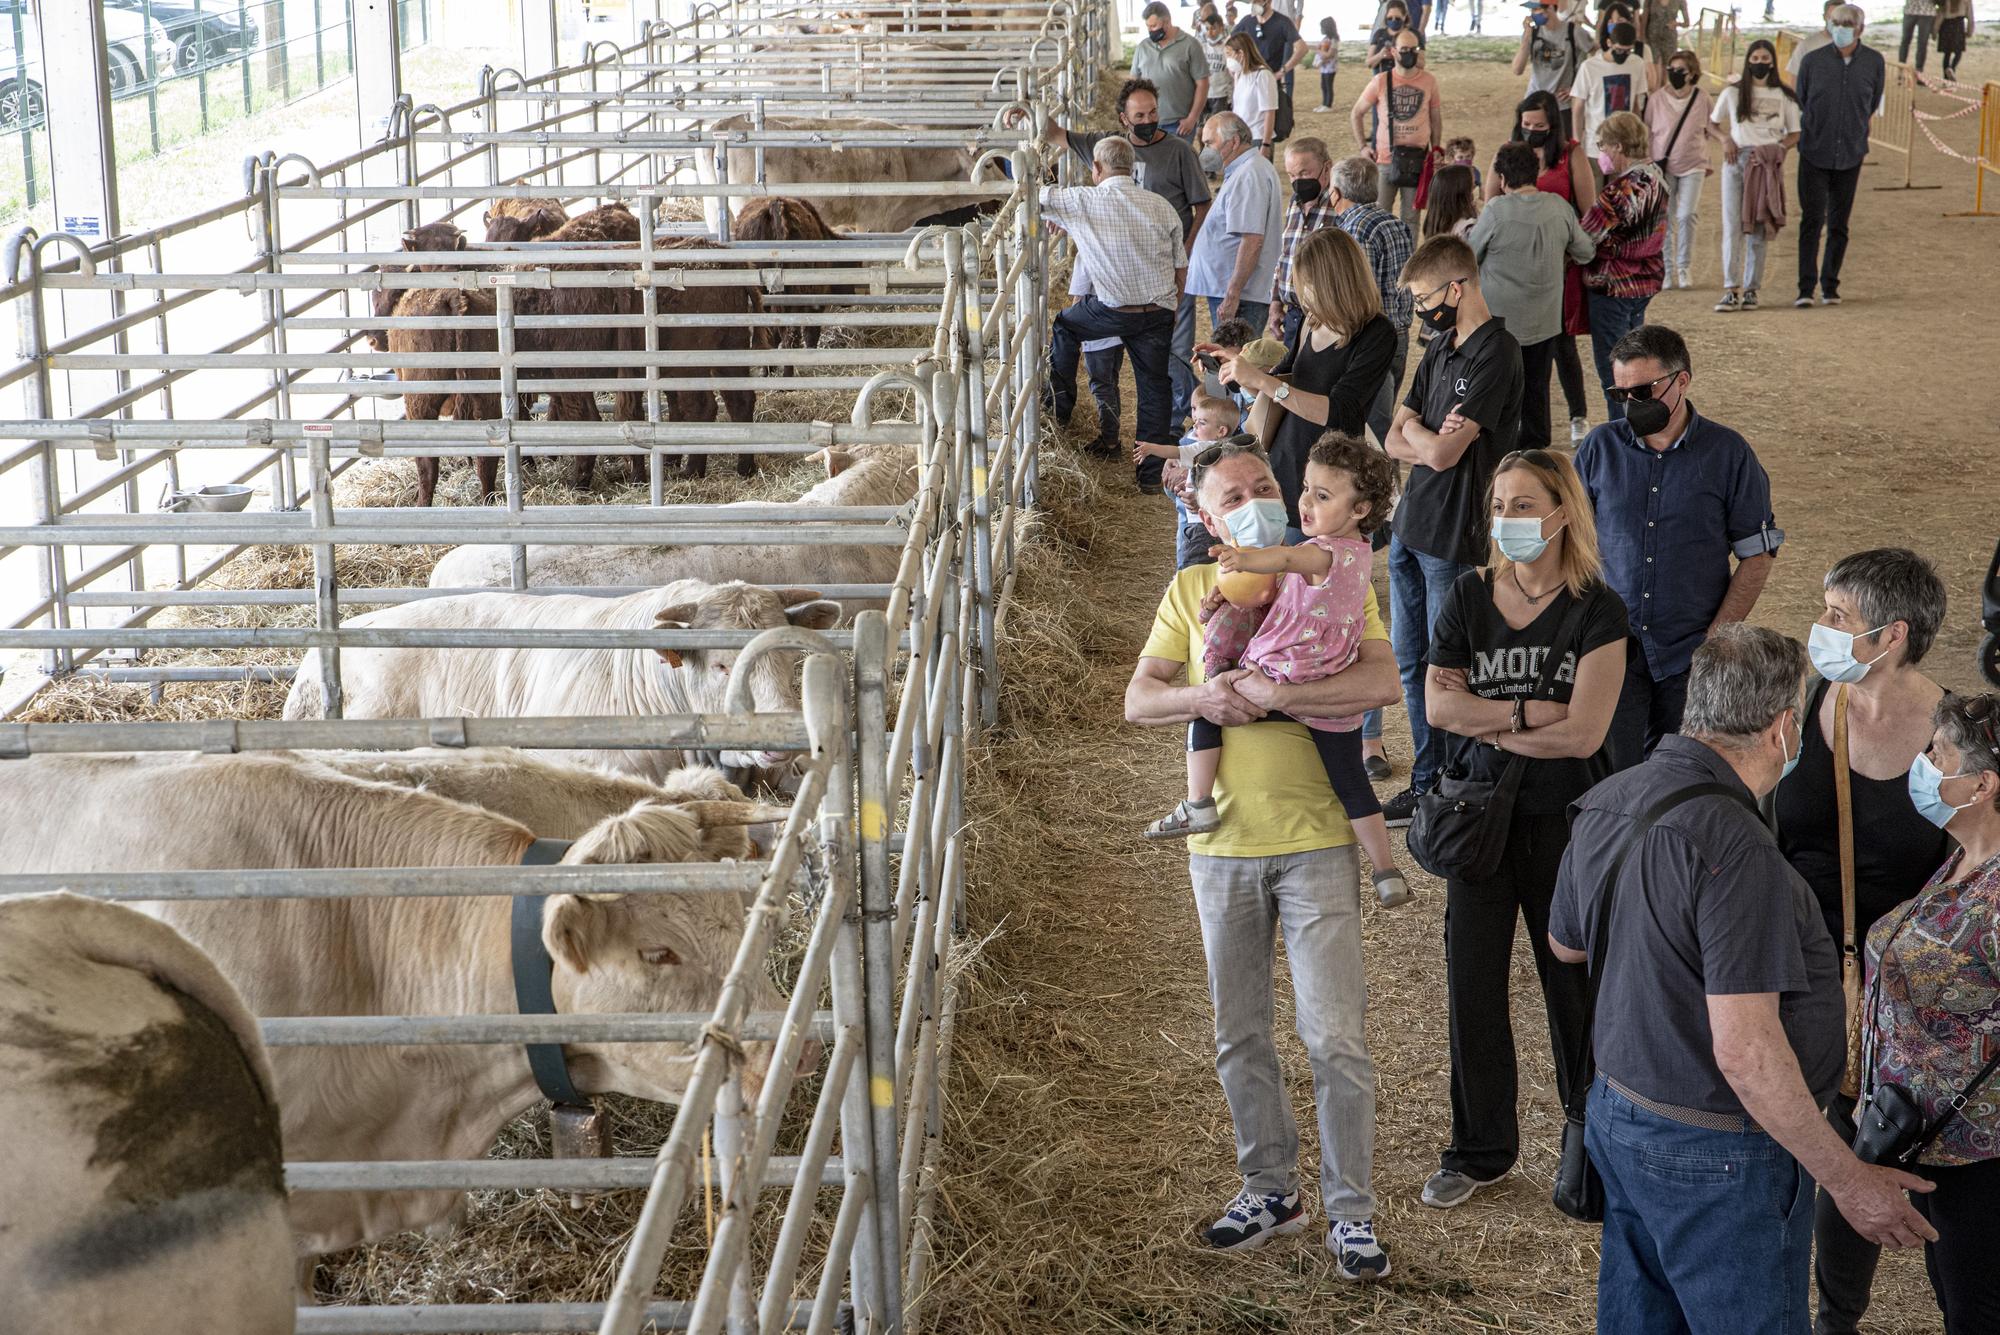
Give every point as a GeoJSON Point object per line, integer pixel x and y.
{"type": "Point", "coordinates": [1442, 318]}
{"type": "Point", "coordinates": [1158, 35]}
{"type": "Point", "coordinates": [1145, 131]}
{"type": "Point", "coordinates": [1393, 25]}
{"type": "Point", "coordinates": [1306, 189]}
{"type": "Point", "coordinates": [1647, 416]}
{"type": "Point", "coordinates": [1407, 59]}
{"type": "Point", "coordinates": [1764, 72]}
{"type": "Point", "coordinates": [1677, 77]}
{"type": "Point", "coordinates": [1620, 57]}
{"type": "Point", "coordinates": [1535, 138]}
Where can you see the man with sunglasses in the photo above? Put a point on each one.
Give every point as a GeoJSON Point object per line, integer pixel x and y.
{"type": "Point", "coordinates": [1463, 412]}
{"type": "Point", "coordinates": [1677, 498]}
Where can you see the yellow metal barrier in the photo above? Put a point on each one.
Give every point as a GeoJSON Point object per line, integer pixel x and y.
{"type": "Point", "coordinates": [1784, 43]}
{"type": "Point", "coordinates": [1894, 127]}
{"type": "Point", "coordinates": [1988, 161]}
{"type": "Point", "coordinates": [1713, 39]}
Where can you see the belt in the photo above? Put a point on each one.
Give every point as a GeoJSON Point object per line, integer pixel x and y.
{"type": "Point", "coordinates": [1139, 309]}
{"type": "Point", "coordinates": [1695, 1117]}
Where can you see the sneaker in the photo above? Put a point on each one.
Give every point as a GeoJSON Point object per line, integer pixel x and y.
{"type": "Point", "coordinates": [1188, 817]}
{"type": "Point", "coordinates": [1391, 890]}
{"type": "Point", "coordinates": [1729, 305]}
{"type": "Point", "coordinates": [1322, 110]}
{"type": "Point", "coordinates": [1447, 1190]}
{"type": "Point", "coordinates": [1829, 298]}
{"type": "Point", "coordinates": [1686, 280]}
{"type": "Point", "coordinates": [1749, 299]}
{"type": "Point", "coordinates": [1401, 809]}
{"type": "Point", "coordinates": [1253, 1219]}
{"type": "Point", "coordinates": [1579, 427]}
{"type": "Point", "coordinates": [1803, 301]}
{"type": "Point", "coordinates": [1377, 767]}
{"type": "Point", "coordinates": [1356, 1253]}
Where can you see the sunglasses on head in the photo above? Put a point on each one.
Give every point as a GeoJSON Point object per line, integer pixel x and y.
{"type": "Point", "coordinates": [1539, 458]}
{"type": "Point", "coordinates": [1637, 393]}
{"type": "Point", "coordinates": [1983, 712]}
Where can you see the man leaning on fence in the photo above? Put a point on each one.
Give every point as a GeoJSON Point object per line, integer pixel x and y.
{"type": "Point", "coordinates": [1718, 1020]}
{"type": "Point", "coordinates": [1129, 240]}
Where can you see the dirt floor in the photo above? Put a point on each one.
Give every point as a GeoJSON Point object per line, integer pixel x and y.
{"type": "Point", "coordinates": [1089, 1140]}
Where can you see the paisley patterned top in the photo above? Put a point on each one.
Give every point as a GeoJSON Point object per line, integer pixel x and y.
{"type": "Point", "coordinates": [1937, 1018]}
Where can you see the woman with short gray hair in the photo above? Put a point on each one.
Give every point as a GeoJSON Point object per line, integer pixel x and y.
{"type": "Point", "coordinates": [1866, 720]}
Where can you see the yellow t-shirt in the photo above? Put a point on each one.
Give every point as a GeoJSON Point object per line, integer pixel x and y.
{"type": "Point", "coordinates": [1270, 789]}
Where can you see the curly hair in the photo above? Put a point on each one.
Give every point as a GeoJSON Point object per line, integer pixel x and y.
{"type": "Point", "coordinates": [1373, 473]}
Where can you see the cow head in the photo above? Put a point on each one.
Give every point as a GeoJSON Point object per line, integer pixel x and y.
{"type": "Point", "coordinates": [437, 236]}
{"type": "Point", "coordinates": [513, 229]}
{"type": "Point", "coordinates": [652, 953]}
{"type": "Point", "coordinates": [703, 675]}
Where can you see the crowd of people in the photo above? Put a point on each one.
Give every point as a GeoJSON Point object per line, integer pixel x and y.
{"type": "Point", "coordinates": [1762, 909]}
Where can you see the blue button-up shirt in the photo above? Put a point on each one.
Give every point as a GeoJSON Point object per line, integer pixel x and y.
{"type": "Point", "coordinates": [1251, 202]}
{"type": "Point", "coordinates": [1668, 522]}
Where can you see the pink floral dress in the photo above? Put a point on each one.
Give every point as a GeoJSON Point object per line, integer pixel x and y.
{"type": "Point", "coordinates": [1308, 632]}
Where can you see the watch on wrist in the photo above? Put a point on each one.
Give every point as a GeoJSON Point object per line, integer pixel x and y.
{"type": "Point", "coordinates": [1281, 393]}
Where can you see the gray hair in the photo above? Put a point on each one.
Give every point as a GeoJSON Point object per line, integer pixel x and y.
{"type": "Point", "coordinates": [1742, 678]}
{"type": "Point", "coordinates": [1114, 154]}
{"type": "Point", "coordinates": [1230, 447]}
{"type": "Point", "coordinates": [1848, 14]}
{"type": "Point", "coordinates": [1356, 179]}
{"type": "Point", "coordinates": [1892, 584]}
{"type": "Point", "coordinates": [1156, 10]}
{"type": "Point", "coordinates": [1971, 723]}
{"type": "Point", "coordinates": [1231, 126]}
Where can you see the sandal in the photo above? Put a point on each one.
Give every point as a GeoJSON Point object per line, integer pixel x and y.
{"type": "Point", "coordinates": [1186, 818]}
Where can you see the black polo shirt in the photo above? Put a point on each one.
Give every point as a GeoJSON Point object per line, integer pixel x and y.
{"type": "Point", "coordinates": [1443, 514]}
{"type": "Point", "coordinates": [1706, 906]}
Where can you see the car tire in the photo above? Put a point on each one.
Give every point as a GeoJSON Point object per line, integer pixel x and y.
{"type": "Point", "coordinates": [124, 74]}
{"type": "Point", "coordinates": [188, 53]}
{"type": "Point", "coordinates": [1989, 659]}
{"type": "Point", "coordinates": [21, 104]}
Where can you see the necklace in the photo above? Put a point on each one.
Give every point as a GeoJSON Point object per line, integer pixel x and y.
{"type": "Point", "coordinates": [1534, 599]}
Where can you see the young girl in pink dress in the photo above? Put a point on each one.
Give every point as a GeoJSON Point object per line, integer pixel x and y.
{"type": "Point", "coordinates": [1309, 629]}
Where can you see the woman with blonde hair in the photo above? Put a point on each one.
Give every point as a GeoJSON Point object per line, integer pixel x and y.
{"type": "Point", "coordinates": [1330, 373]}
{"type": "Point", "coordinates": [1526, 661]}
{"type": "Point", "coordinates": [1253, 88]}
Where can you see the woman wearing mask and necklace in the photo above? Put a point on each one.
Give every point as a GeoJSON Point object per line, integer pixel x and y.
{"type": "Point", "coordinates": [1864, 725]}
{"type": "Point", "coordinates": [1526, 661]}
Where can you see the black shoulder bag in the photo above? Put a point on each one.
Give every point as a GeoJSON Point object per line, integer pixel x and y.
{"type": "Point", "coordinates": [1675, 137]}
{"type": "Point", "coordinates": [1460, 827]}
{"type": "Point", "coordinates": [1579, 1191]}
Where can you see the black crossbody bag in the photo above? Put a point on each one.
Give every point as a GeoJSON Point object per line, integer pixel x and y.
{"type": "Point", "coordinates": [1579, 1191]}
{"type": "Point", "coordinates": [1460, 827]}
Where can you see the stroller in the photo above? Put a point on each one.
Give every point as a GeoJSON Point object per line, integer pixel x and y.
{"type": "Point", "coordinates": [1989, 614]}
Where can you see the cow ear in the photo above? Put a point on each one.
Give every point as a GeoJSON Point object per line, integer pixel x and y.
{"type": "Point", "coordinates": [486, 218]}
{"type": "Point", "coordinates": [458, 240]}
{"type": "Point", "coordinates": [837, 460]}
{"type": "Point", "coordinates": [710, 814]}
{"type": "Point", "coordinates": [676, 617]}
{"type": "Point", "coordinates": [820, 614]}
{"type": "Point", "coordinates": [409, 240]}
{"type": "Point", "coordinates": [573, 930]}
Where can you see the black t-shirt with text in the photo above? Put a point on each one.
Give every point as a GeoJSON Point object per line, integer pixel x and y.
{"type": "Point", "coordinates": [1502, 663]}
{"type": "Point", "coordinates": [1443, 514]}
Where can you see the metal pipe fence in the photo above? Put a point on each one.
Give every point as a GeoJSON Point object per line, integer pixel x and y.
{"type": "Point", "coordinates": [890, 707]}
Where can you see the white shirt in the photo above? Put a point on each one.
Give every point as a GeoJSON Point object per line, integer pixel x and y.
{"type": "Point", "coordinates": [1127, 239]}
{"type": "Point", "coordinates": [1604, 86]}
{"type": "Point", "coordinates": [1808, 44]}
{"type": "Point", "coordinates": [1774, 116]}
{"type": "Point", "coordinates": [1254, 94]}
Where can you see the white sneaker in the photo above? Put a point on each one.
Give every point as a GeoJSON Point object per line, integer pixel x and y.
{"type": "Point", "coordinates": [1686, 280]}
{"type": "Point", "coordinates": [1356, 1252]}
{"type": "Point", "coordinates": [1579, 427]}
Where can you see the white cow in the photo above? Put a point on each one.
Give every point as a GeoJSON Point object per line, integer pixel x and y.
{"type": "Point", "coordinates": [141, 1177]}
{"type": "Point", "coordinates": [519, 683]}
{"type": "Point", "coordinates": [382, 956]}
{"type": "Point", "coordinates": [856, 475]}
{"type": "Point", "coordinates": [918, 165]}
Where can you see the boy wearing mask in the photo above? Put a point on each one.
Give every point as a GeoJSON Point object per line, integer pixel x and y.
{"type": "Point", "coordinates": [1609, 82]}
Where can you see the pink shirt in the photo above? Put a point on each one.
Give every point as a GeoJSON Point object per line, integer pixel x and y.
{"type": "Point", "coordinates": [1314, 630]}
{"type": "Point", "coordinates": [1690, 153]}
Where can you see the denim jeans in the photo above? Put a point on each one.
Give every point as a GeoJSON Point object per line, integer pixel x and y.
{"type": "Point", "coordinates": [1705, 1232]}
{"type": "Point", "coordinates": [1146, 334]}
{"type": "Point", "coordinates": [1418, 586]}
{"type": "Point", "coordinates": [1315, 899]}
{"type": "Point", "coordinates": [1826, 198]}
{"type": "Point", "coordinates": [1918, 26]}
{"type": "Point", "coordinates": [1258, 313]}
{"type": "Point", "coordinates": [1611, 318]}
{"type": "Point", "coordinates": [1742, 252]}
{"type": "Point", "coordinates": [1684, 199]}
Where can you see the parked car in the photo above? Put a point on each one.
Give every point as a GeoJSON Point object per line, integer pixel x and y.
{"type": "Point", "coordinates": [127, 39]}
{"type": "Point", "coordinates": [202, 33]}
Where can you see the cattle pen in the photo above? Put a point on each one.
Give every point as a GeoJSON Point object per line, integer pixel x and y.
{"type": "Point", "coordinates": [190, 360]}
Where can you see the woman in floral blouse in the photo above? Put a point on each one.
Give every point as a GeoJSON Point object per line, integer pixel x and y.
{"type": "Point", "coordinates": [1934, 980]}
{"type": "Point", "coordinates": [1629, 224]}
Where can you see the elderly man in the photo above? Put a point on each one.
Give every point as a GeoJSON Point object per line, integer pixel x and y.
{"type": "Point", "coordinates": [1129, 240]}
{"type": "Point", "coordinates": [1676, 496]}
{"type": "Point", "coordinates": [1839, 87]}
{"type": "Point", "coordinates": [1283, 857]}
{"type": "Point", "coordinates": [1719, 1034]}
{"type": "Point", "coordinates": [1173, 61]}
{"type": "Point", "coordinates": [1310, 168]}
{"type": "Point", "coordinates": [1234, 257]}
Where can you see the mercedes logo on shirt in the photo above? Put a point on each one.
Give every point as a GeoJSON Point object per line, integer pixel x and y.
{"type": "Point", "coordinates": [1459, 387]}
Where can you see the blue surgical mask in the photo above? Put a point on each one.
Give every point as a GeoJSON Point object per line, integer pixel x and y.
{"type": "Point", "coordinates": [1258, 523]}
{"type": "Point", "coordinates": [1521, 540]}
{"type": "Point", "coordinates": [1925, 779]}
{"type": "Point", "coordinates": [1832, 654]}
{"type": "Point", "coordinates": [1791, 756]}
{"type": "Point", "coordinates": [1843, 35]}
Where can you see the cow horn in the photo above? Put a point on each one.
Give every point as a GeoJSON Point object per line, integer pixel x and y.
{"type": "Point", "coordinates": [711, 813]}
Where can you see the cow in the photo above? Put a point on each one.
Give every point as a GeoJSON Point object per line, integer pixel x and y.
{"type": "Point", "coordinates": [778, 218]}
{"type": "Point", "coordinates": [856, 475]}
{"type": "Point", "coordinates": [437, 955]}
{"type": "Point", "coordinates": [141, 1169]}
{"type": "Point", "coordinates": [919, 166]}
{"type": "Point", "coordinates": [518, 683]}
{"type": "Point", "coordinates": [538, 218]}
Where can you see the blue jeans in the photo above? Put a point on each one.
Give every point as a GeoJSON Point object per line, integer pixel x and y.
{"type": "Point", "coordinates": [1418, 586]}
{"type": "Point", "coordinates": [1705, 1232]}
{"type": "Point", "coordinates": [1611, 318]}
{"type": "Point", "coordinates": [1256, 312]}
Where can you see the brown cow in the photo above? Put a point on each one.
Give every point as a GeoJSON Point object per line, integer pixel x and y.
{"type": "Point", "coordinates": [540, 216]}
{"type": "Point", "coordinates": [771, 218]}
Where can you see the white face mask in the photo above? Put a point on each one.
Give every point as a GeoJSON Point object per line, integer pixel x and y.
{"type": "Point", "coordinates": [1235, 66]}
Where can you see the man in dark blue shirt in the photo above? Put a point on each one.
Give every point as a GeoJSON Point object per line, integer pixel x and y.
{"type": "Point", "coordinates": [1676, 497]}
{"type": "Point", "coordinates": [1839, 87]}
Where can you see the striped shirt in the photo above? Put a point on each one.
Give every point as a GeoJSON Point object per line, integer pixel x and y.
{"type": "Point", "coordinates": [1388, 242]}
{"type": "Point", "coordinates": [1629, 224]}
{"type": "Point", "coordinates": [1300, 221]}
{"type": "Point", "coordinates": [1128, 238]}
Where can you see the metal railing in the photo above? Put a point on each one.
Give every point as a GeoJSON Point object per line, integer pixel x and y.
{"type": "Point", "coordinates": [278, 390]}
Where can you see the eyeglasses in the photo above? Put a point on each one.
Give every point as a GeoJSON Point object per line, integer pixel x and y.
{"type": "Point", "coordinates": [1420, 301]}
{"type": "Point", "coordinates": [1637, 393]}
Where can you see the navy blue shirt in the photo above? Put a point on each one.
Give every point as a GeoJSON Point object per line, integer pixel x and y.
{"type": "Point", "coordinates": [1836, 99]}
{"type": "Point", "coordinates": [1668, 522]}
